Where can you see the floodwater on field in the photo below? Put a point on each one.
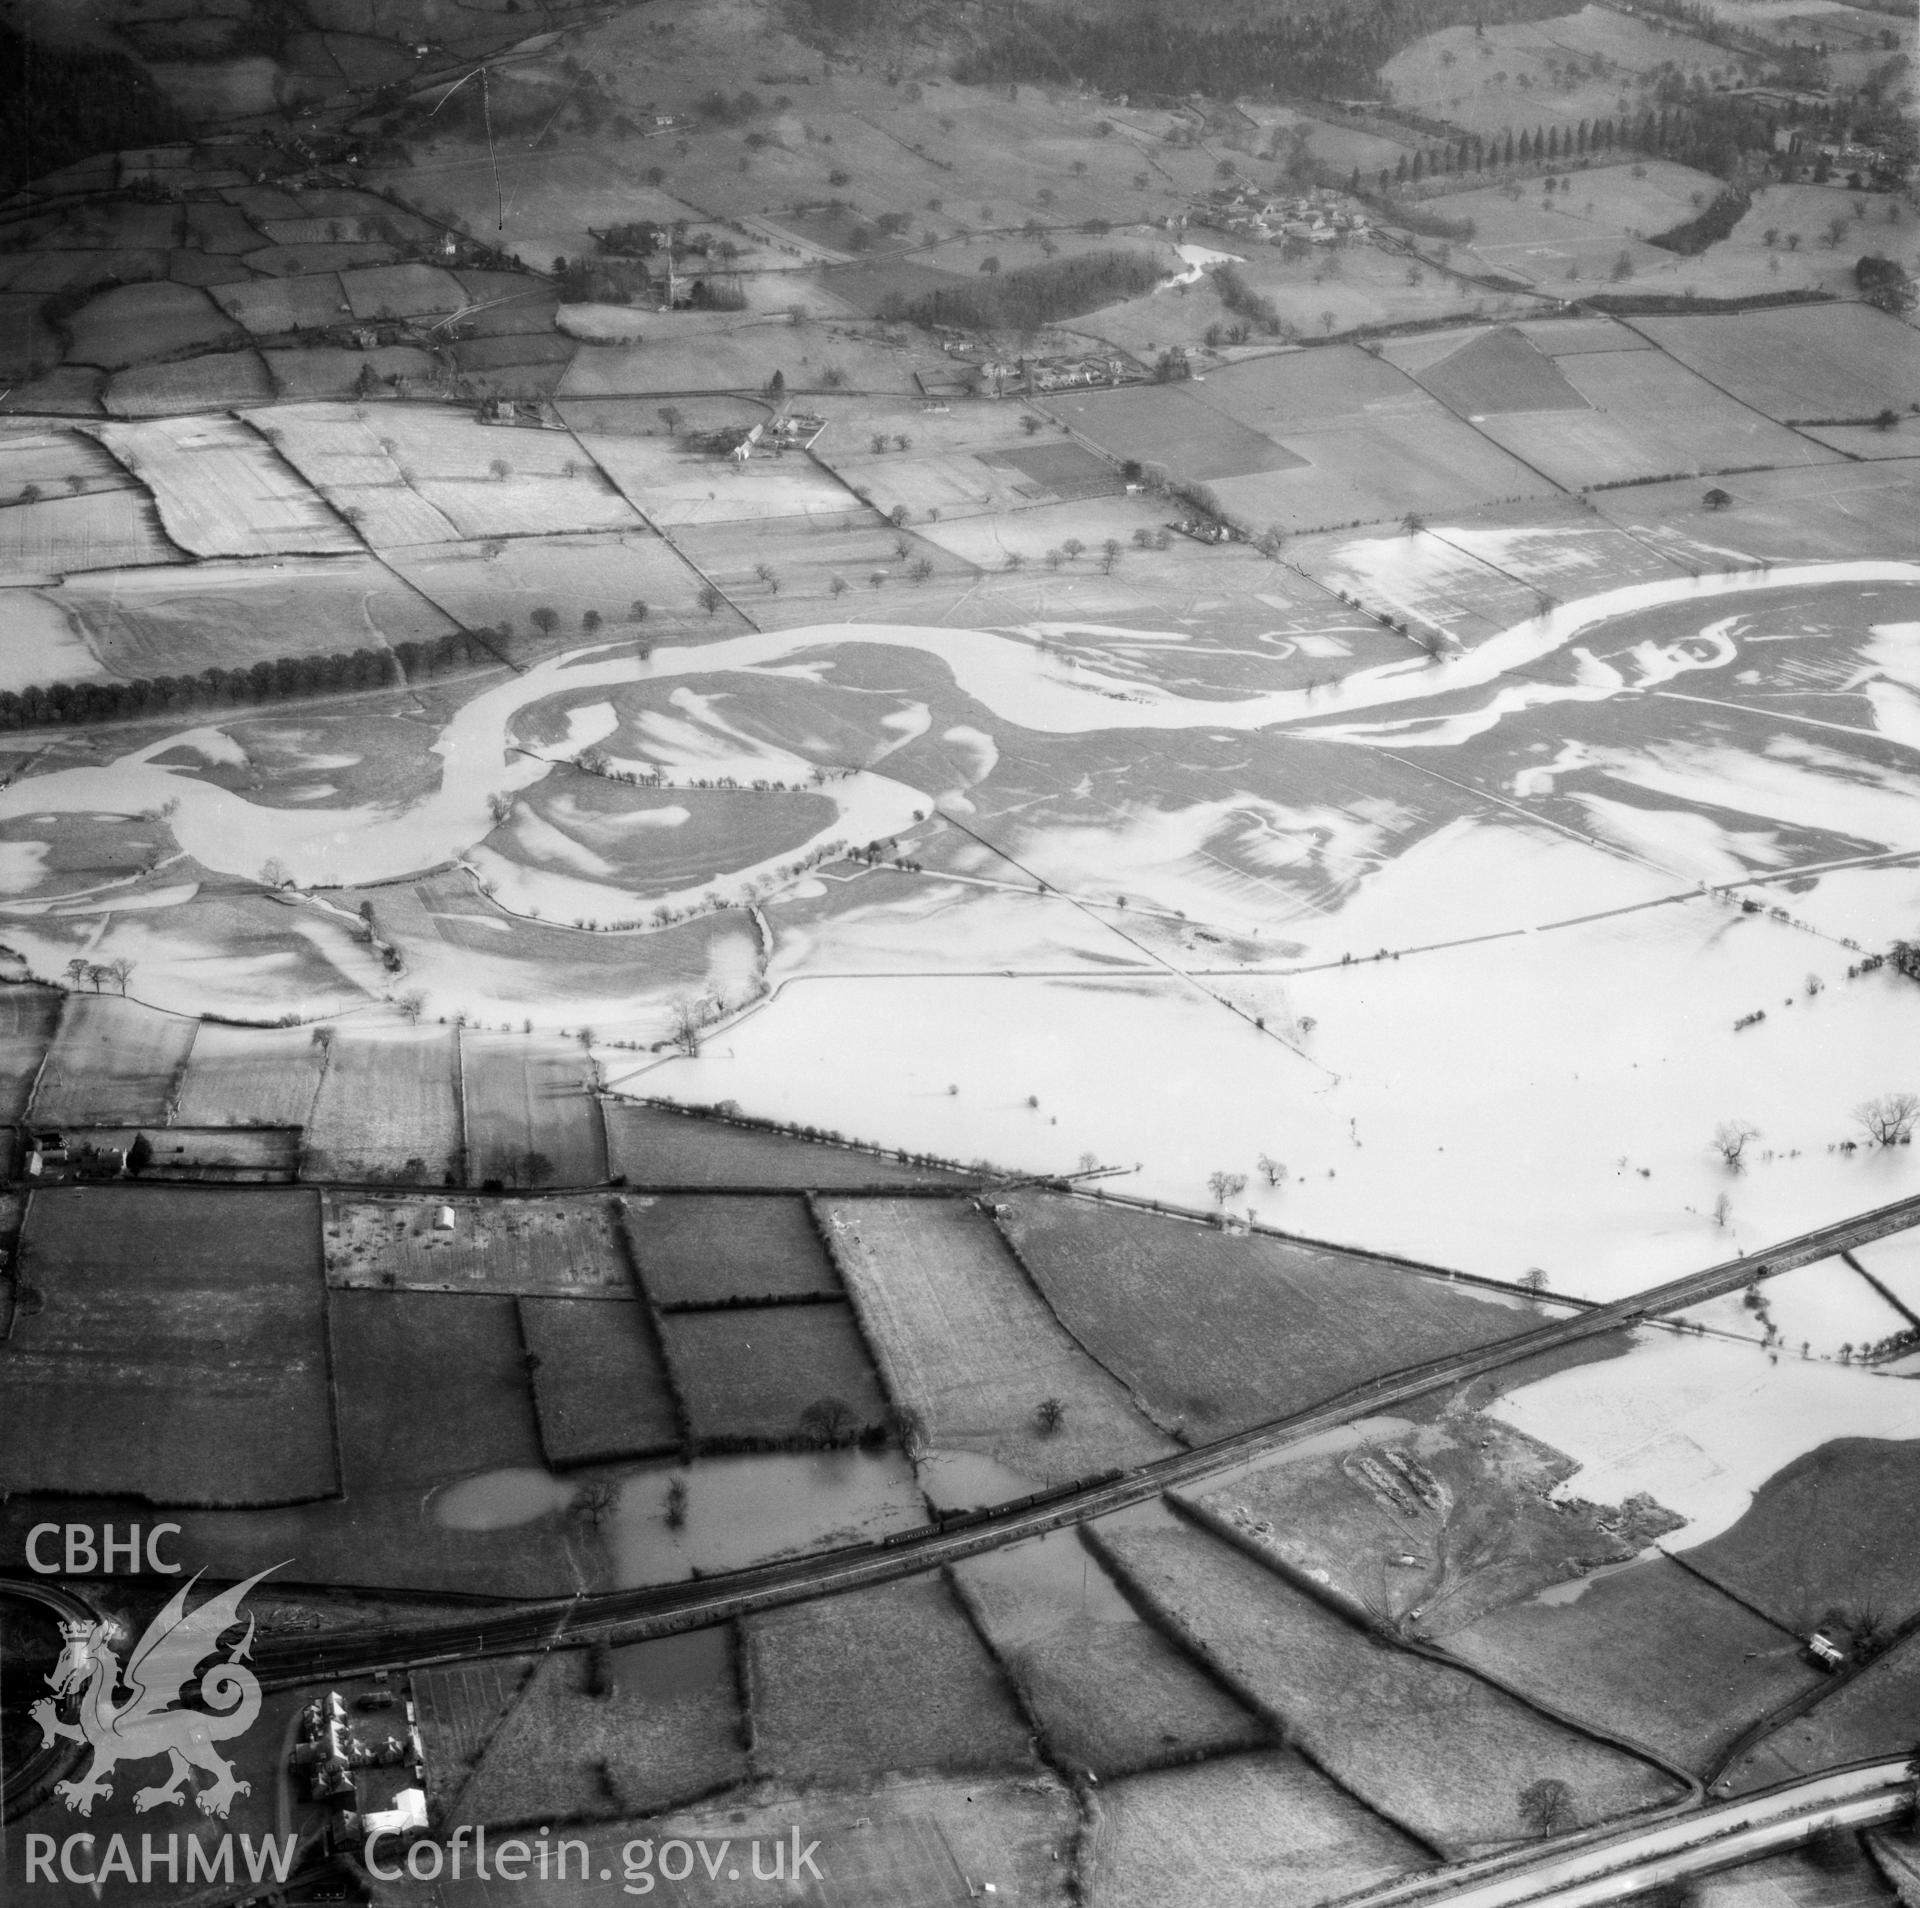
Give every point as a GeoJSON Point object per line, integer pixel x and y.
{"type": "Point", "coordinates": [740, 1510]}
{"type": "Point", "coordinates": [745, 1510]}
{"type": "Point", "coordinates": [499, 1500]}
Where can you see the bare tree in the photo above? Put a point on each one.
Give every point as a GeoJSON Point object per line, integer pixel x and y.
{"type": "Point", "coordinates": [669, 415]}
{"type": "Point", "coordinates": [412, 1005]}
{"type": "Point", "coordinates": [1225, 1186]}
{"type": "Point", "coordinates": [1889, 1118]}
{"type": "Point", "coordinates": [1546, 1806]}
{"type": "Point", "coordinates": [686, 1023]}
{"type": "Point", "coordinates": [710, 599]}
{"type": "Point", "coordinates": [121, 969]}
{"type": "Point", "coordinates": [1048, 1415]}
{"type": "Point", "coordinates": [911, 1429]}
{"type": "Point", "coordinates": [1730, 1139]}
{"type": "Point", "coordinates": [77, 969]}
{"type": "Point", "coordinates": [1271, 1170]}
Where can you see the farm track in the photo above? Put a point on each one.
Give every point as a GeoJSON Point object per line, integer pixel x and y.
{"type": "Point", "coordinates": [632, 1615]}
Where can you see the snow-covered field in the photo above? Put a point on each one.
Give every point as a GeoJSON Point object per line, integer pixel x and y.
{"type": "Point", "coordinates": [1701, 1425]}
{"type": "Point", "coordinates": [1434, 938]}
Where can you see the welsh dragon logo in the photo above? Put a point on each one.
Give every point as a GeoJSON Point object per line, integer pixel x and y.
{"type": "Point", "coordinates": [150, 1721]}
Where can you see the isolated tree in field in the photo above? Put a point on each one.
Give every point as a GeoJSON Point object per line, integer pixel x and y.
{"type": "Point", "coordinates": [1048, 1415]}
{"type": "Point", "coordinates": [1074, 548]}
{"type": "Point", "coordinates": [1886, 420]}
{"type": "Point", "coordinates": [1110, 552]}
{"type": "Point", "coordinates": [545, 620]}
{"type": "Point", "coordinates": [910, 1428]}
{"type": "Point", "coordinates": [1328, 319]}
{"type": "Point", "coordinates": [685, 1020]}
{"type": "Point", "coordinates": [637, 611]}
{"type": "Point", "coordinates": [1546, 1806]}
{"type": "Point", "coordinates": [1889, 1118]}
{"type": "Point", "coordinates": [1717, 499]}
{"type": "Point", "coordinates": [500, 469]}
{"type": "Point", "coordinates": [1730, 1139]}
{"type": "Point", "coordinates": [1030, 424]}
{"type": "Point", "coordinates": [1534, 1279]}
{"type": "Point", "coordinates": [1055, 557]}
{"type": "Point", "coordinates": [1273, 1171]}
{"type": "Point", "coordinates": [1621, 268]}
{"type": "Point", "coordinates": [1225, 1186]}
{"type": "Point", "coordinates": [710, 599]}
{"type": "Point", "coordinates": [676, 1506]}
{"type": "Point", "coordinates": [670, 415]}
{"type": "Point", "coordinates": [920, 569]}
{"type": "Point", "coordinates": [828, 1421]}
{"type": "Point", "coordinates": [273, 872]}
{"type": "Point", "coordinates": [499, 807]}
{"type": "Point", "coordinates": [590, 620]}
{"type": "Point", "coordinates": [769, 576]}
{"type": "Point", "coordinates": [877, 443]}
{"type": "Point", "coordinates": [837, 584]}
{"type": "Point", "coordinates": [991, 264]}
{"type": "Point", "coordinates": [77, 969]}
{"type": "Point", "coordinates": [593, 1502]}
{"type": "Point", "coordinates": [412, 1006]}
{"type": "Point", "coordinates": [1836, 230]}
{"type": "Point", "coordinates": [1014, 560]}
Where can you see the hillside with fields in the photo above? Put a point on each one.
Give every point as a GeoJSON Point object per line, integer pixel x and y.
{"type": "Point", "coordinates": [976, 942]}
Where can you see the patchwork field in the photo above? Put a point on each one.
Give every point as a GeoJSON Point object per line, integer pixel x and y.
{"type": "Point", "coordinates": [112, 1061]}
{"type": "Point", "coordinates": [166, 621]}
{"type": "Point", "coordinates": [165, 1352]}
{"type": "Point", "coordinates": [1111, 1693]}
{"type": "Point", "coordinates": [1267, 1831]}
{"type": "Point", "coordinates": [885, 1679]}
{"type": "Point", "coordinates": [1216, 1333]}
{"type": "Point", "coordinates": [229, 379]}
{"type": "Point", "coordinates": [1652, 1655]}
{"type": "Point", "coordinates": [601, 1388]}
{"type": "Point", "coordinates": [562, 1248]}
{"type": "Point", "coordinates": [530, 1114]}
{"type": "Point", "coordinates": [130, 323]}
{"type": "Point", "coordinates": [99, 530]}
{"type": "Point", "coordinates": [1439, 1753]}
{"type": "Point", "coordinates": [566, 1752]}
{"type": "Point", "coordinates": [222, 491]}
{"type": "Point", "coordinates": [964, 1339]}
{"type": "Point", "coordinates": [387, 1107]}
{"type": "Point", "coordinates": [506, 581]}
{"type": "Point", "coordinates": [1645, 416]}
{"type": "Point", "coordinates": [750, 1376]}
{"type": "Point", "coordinates": [28, 1018]}
{"type": "Point", "coordinates": [433, 1388]}
{"type": "Point", "coordinates": [651, 1147]}
{"type": "Point", "coordinates": [250, 1076]}
{"type": "Point", "coordinates": [694, 1250]}
{"type": "Point", "coordinates": [1805, 363]}
{"type": "Point", "coordinates": [1809, 1544]}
